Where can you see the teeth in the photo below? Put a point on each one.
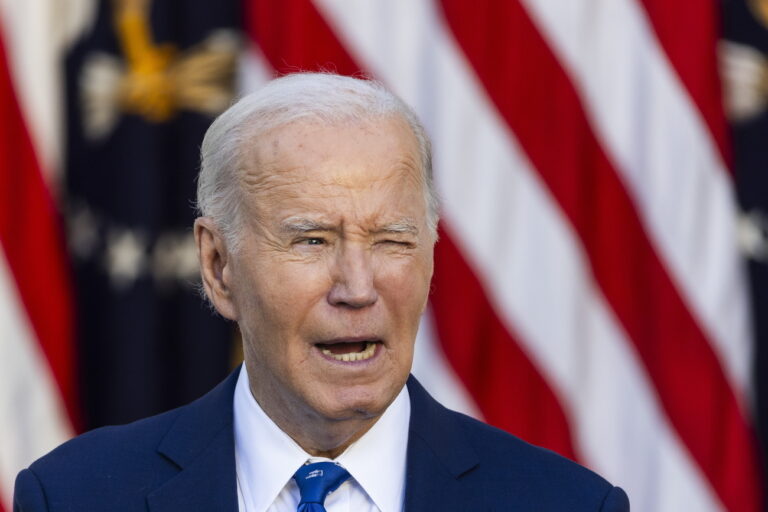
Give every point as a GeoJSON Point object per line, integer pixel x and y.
{"type": "Point", "coordinates": [370, 349]}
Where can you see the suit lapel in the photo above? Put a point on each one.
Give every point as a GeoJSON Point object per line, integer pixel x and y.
{"type": "Point", "coordinates": [201, 443]}
{"type": "Point", "coordinates": [439, 454]}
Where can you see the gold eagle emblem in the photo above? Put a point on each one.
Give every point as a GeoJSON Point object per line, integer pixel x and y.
{"type": "Point", "coordinates": [760, 10]}
{"type": "Point", "coordinates": [152, 80]}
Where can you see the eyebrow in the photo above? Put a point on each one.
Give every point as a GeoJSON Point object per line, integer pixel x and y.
{"type": "Point", "coordinates": [400, 227]}
{"type": "Point", "coordinates": [298, 225]}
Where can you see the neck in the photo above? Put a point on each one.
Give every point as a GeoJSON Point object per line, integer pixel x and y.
{"type": "Point", "coordinates": [321, 437]}
{"type": "Point", "coordinates": [317, 435]}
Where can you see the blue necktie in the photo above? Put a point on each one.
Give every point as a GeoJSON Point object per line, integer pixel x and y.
{"type": "Point", "coordinates": [316, 481]}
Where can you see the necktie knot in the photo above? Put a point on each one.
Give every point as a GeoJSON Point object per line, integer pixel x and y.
{"type": "Point", "coordinates": [316, 481]}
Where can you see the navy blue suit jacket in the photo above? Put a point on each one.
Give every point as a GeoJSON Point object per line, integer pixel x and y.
{"type": "Point", "coordinates": [184, 460]}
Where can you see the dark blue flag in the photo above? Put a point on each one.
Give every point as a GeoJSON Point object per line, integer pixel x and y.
{"type": "Point", "coordinates": [143, 85]}
{"type": "Point", "coordinates": [745, 72]}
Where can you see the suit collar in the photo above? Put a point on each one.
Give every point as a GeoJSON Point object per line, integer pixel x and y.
{"type": "Point", "coordinates": [439, 453]}
{"type": "Point", "coordinates": [201, 438]}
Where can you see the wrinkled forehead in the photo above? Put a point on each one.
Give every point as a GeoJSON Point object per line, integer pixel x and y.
{"type": "Point", "coordinates": [354, 154]}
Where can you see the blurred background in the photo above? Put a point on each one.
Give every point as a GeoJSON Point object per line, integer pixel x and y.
{"type": "Point", "coordinates": [601, 281]}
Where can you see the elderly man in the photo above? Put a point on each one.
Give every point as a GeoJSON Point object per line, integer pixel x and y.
{"type": "Point", "coordinates": [316, 236]}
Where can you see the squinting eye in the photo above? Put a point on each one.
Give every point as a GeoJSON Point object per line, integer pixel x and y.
{"type": "Point", "coordinates": [314, 241]}
{"type": "Point", "coordinates": [402, 243]}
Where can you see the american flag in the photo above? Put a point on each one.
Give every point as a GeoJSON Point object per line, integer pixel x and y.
{"type": "Point", "coordinates": [589, 295]}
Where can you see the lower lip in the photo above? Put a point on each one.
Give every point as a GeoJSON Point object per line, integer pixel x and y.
{"type": "Point", "coordinates": [377, 350]}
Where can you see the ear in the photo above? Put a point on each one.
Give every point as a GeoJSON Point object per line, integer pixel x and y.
{"type": "Point", "coordinates": [215, 267]}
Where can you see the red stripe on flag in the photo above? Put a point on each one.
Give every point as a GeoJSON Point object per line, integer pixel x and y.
{"type": "Point", "coordinates": [688, 33]}
{"type": "Point", "coordinates": [505, 385]}
{"type": "Point", "coordinates": [31, 238]}
{"type": "Point", "coordinates": [295, 37]}
{"type": "Point", "coordinates": [540, 105]}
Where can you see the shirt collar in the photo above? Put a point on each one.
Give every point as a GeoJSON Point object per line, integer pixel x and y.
{"type": "Point", "coordinates": [266, 457]}
{"type": "Point", "coordinates": [383, 446]}
{"type": "Point", "coordinates": [259, 439]}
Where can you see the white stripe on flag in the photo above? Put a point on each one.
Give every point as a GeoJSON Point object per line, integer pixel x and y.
{"type": "Point", "coordinates": [253, 70]}
{"type": "Point", "coordinates": [37, 33]}
{"type": "Point", "coordinates": [32, 416]}
{"type": "Point", "coordinates": [436, 374]}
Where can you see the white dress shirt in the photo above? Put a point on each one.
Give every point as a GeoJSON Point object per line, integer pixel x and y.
{"type": "Point", "coordinates": [266, 459]}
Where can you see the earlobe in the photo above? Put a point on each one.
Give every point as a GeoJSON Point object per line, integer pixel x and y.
{"type": "Point", "coordinates": [214, 266]}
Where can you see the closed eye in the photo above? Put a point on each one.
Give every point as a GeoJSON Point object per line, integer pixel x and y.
{"type": "Point", "coordinates": [401, 243]}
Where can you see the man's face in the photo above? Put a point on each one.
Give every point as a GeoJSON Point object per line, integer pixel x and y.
{"type": "Point", "coordinates": [334, 267]}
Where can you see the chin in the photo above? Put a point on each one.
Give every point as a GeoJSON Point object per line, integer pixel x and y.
{"type": "Point", "coordinates": [359, 402]}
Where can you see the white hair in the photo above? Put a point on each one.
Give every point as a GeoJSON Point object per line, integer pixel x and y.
{"type": "Point", "coordinates": [324, 97]}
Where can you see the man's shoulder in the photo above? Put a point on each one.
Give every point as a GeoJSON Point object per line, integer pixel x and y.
{"type": "Point", "coordinates": [544, 474]}
{"type": "Point", "coordinates": [486, 465]}
{"type": "Point", "coordinates": [104, 467]}
{"type": "Point", "coordinates": [507, 453]}
{"type": "Point", "coordinates": [123, 464]}
{"type": "Point", "coordinates": [109, 446]}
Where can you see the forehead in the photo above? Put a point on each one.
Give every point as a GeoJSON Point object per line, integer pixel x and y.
{"type": "Point", "coordinates": [372, 163]}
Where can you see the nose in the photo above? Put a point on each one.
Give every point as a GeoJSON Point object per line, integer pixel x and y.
{"type": "Point", "coordinates": [353, 278]}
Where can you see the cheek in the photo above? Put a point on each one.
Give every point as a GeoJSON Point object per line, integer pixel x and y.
{"type": "Point", "coordinates": [406, 281]}
{"type": "Point", "coordinates": [280, 295]}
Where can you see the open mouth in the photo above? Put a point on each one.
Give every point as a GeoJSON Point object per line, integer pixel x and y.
{"type": "Point", "coordinates": [349, 351]}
